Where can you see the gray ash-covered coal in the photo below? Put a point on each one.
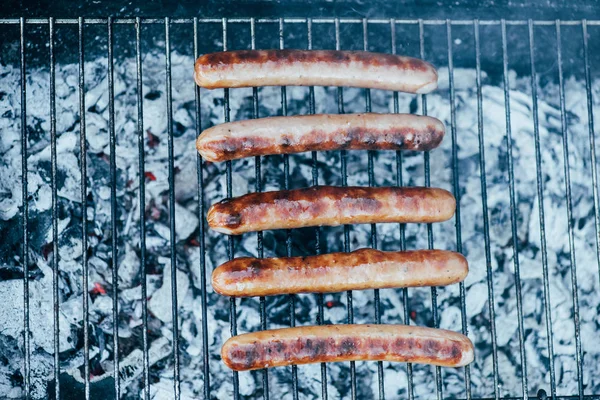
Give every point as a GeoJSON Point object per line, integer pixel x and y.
{"type": "Point", "coordinates": [158, 239]}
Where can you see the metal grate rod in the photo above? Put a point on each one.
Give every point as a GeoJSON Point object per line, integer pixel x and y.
{"type": "Point", "coordinates": [399, 182]}
{"type": "Point", "coordinates": [563, 120]}
{"type": "Point", "coordinates": [113, 208]}
{"type": "Point", "coordinates": [142, 206]}
{"type": "Point", "coordinates": [288, 233]}
{"type": "Point", "coordinates": [344, 166]}
{"type": "Point", "coordinates": [371, 172]}
{"type": "Point", "coordinates": [84, 245]}
{"type": "Point", "coordinates": [230, 250]}
{"type": "Point", "coordinates": [25, 215]}
{"type": "Point", "coordinates": [147, 20]}
{"type": "Point", "coordinates": [590, 109]}
{"type": "Point", "coordinates": [259, 235]}
{"type": "Point", "coordinates": [174, 308]}
{"type": "Point", "coordinates": [55, 255]}
{"type": "Point", "coordinates": [315, 182]}
{"type": "Point", "coordinates": [432, 22]}
{"type": "Point", "coordinates": [540, 196]}
{"type": "Point", "coordinates": [456, 191]}
{"type": "Point", "coordinates": [434, 307]}
{"type": "Point", "coordinates": [486, 222]}
{"type": "Point", "coordinates": [513, 208]}
{"type": "Point", "coordinates": [199, 166]}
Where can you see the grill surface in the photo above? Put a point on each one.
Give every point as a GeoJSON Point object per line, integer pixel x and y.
{"type": "Point", "coordinates": [453, 135]}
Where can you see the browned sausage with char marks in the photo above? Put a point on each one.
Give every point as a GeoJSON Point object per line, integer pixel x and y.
{"type": "Point", "coordinates": [359, 270]}
{"type": "Point", "coordinates": [331, 343]}
{"type": "Point", "coordinates": [330, 205]}
{"type": "Point", "coordinates": [246, 68]}
{"type": "Point", "coordinates": [322, 132]}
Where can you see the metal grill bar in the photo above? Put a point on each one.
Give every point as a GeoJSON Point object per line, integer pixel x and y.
{"type": "Point", "coordinates": [372, 182]}
{"type": "Point", "coordinates": [259, 235]}
{"type": "Point", "coordinates": [486, 223]}
{"type": "Point", "coordinates": [176, 388]}
{"type": "Point", "coordinates": [434, 307]}
{"type": "Point", "coordinates": [102, 21]}
{"type": "Point", "coordinates": [230, 250]}
{"type": "Point", "coordinates": [288, 233]}
{"type": "Point", "coordinates": [399, 182]}
{"type": "Point", "coordinates": [590, 110]}
{"type": "Point", "coordinates": [315, 182]}
{"type": "Point", "coordinates": [55, 255]}
{"type": "Point", "coordinates": [513, 208]}
{"type": "Point", "coordinates": [456, 191]}
{"type": "Point", "coordinates": [540, 196]}
{"type": "Point", "coordinates": [563, 120]}
{"type": "Point", "coordinates": [142, 207]}
{"type": "Point", "coordinates": [24, 218]}
{"type": "Point", "coordinates": [344, 168]}
{"type": "Point", "coordinates": [199, 166]}
{"type": "Point", "coordinates": [113, 208]}
{"type": "Point", "coordinates": [84, 259]}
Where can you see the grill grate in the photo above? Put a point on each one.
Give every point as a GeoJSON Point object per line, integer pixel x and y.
{"type": "Point", "coordinates": [196, 23]}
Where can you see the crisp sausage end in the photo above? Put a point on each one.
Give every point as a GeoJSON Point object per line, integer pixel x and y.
{"type": "Point", "coordinates": [463, 266]}
{"type": "Point", "coordinates": [217, 282]}
{"type": "Point", "coordinates": [440, 128]}
{"type": "Point", "coordinates": [203, 147]}
{"type": "Point", "coordinates": [210, 215]}
{"type": "Point", "coordinates": [223, 221]}
{"type": "Point", "coordinates": [468, 355]}
{"type": "Point", "coordinates": [199, 75]}
{"type": "Point", "coordinates": [432, 84]}
{"type": "Point", "coordinates": [197, 67]}
{"type": "Point", "coordinates": [214, 217]}
{"type": "Point", "coordinates": [447, 204]}
{"type": "Point", "coordinates": [226, 356]}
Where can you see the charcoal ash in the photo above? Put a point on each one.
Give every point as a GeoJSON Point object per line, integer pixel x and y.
{"type": "Point", "coordinates": [158, 240]}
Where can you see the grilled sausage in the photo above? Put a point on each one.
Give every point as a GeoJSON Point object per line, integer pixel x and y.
{"type": "Point", "coordinates": [246, 68]}
{"type": "Point", "coordinates": [337, 272]}
{"type": "Point", "coordinates": [288, 135]}
{"type": "Point", "coordinates": [331, 343]}
{"type": "Point", "coordinates": [330, 205]}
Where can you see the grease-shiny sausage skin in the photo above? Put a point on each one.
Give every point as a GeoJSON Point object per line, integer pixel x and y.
{"type": "Point", "coordinates": [336, 272]}
{"type": "Point", "coordinates": [322, 132]}
{"type": "Point", "coordinates": [331, 206]}
{"type": "Point", "coordinates": [246, 68]}
{"type": "Point", "coordinates": [331, 343]}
